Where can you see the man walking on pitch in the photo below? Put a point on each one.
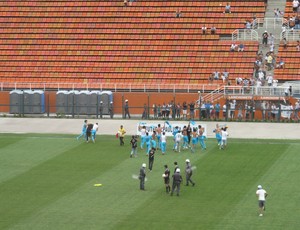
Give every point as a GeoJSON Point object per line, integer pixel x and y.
{"type": "Point", "coordinates": [261, 194]}
{"type": "Point", "coordinates": [133, 143]}
{"type": "Point", "coordinates": [142, 176]}
{"type": "Point", "coordinates": [121, 134]}
{"type": "Point", "coordinates": [151, 158]}
{"type": "Point", "coordinates": [188, 173]}
{"type": "Point", "coordinates": [176, 182]}
{"type": "Point", "coordinates": [166, 177]}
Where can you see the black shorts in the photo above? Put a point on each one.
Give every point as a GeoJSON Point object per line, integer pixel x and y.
{"type": "Point", "coordinates": [167, 180]}
{"type": "Point", "coordinates": [261, 203]}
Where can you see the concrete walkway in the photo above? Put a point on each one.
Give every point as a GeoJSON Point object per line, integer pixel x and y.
{"type": "Point", "coordinates": [107, 126]}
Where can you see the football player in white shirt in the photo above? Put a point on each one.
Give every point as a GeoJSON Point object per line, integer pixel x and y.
{"type": "Point", "coordinates": [178, 138]}
{"type": "Point", "coordinates": [224, 135]}
{"type": "Point", "coordinates": [261, 195]}
{"type": "Point", "coordinates": [94, 131]}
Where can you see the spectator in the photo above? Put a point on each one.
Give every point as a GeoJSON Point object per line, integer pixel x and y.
{"type": "Point", "coordinates": [233, 47]}
{"type": "Point", "coordinates": [271, 47]}
{"type": "Point", "coordinates": [125, 3]}
{"type": "Point", "coordinates": [271, 39]}
{"type": "Point", "coordinates": [297, 22]}
{"type": "Point", "coordinates": [295, 5]}
{"type": "Point", "coordinates": [216, 75]}
{"type": "Point", "coordinates": [269, 61]}
{"type": "Point", "coordinates": [227, 9]}
{"type": "Point", "coordinates": [213, 30]}
{"type": "Point", "coordinates": [270, 79]}
{"type": "Point", "coordinates": [298, 46]}
{"type": "Point", "coordinates": [225, 76]}
{"type": "Point", "coordinates": [248, 26]}
{"type": "Point", "coordinates": [265, 36]}
{"type": "Point", "coordinates": [178, 14]}
{"type": "Point", "coordinates": [280, 64]}
{"type": "Point", "coordinates": [285, 43]}
{"type": "Point", "coordinates": [275, 83]}
{"type": "Point", "coordinates": [241, 47]}
{"type": "Point", "coordinates": [239, 80]}
{"type": "Point", "coordinates": [204, 28]}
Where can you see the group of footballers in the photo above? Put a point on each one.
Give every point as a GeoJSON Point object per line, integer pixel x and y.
{"type": "Point", "coordinates": [186, 138]}
{"type": "Point", "coordinates": [88, 131]}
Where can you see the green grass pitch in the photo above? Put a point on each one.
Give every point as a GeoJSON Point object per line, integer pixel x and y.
{"type": "Point", "coordinates": [47, 182]}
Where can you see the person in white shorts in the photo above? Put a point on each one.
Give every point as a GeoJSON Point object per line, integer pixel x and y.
{"type": "Point", "coordinates": [224, 135]}
{"type": "Point", "coordinates": [261, 194]}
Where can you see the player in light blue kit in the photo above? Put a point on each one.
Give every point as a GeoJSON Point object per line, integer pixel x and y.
{"type": "Point", "coordinates": [94, 131]}
{"type": "Point", "coordinates": [217, 131]}
{"type": "Point", "coordinates": [153, 140]}
{"type": "Point", "coordinates": [148, 142]}
{"type": "Point", "coordinates": [201, 137]}
{"type": "Point", "coordinates": [83, 131]}
{"type": "Point", "coordinates": [175, 131]}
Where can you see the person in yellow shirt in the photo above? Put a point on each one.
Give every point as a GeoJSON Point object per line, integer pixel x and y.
{"type": "Point", "coordinates": [121, 134]}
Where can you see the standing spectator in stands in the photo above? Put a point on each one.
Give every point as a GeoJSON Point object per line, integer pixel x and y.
{"type": "Point", "coordinates": [295, 5]}
{"type": "Point", "coordinates": [145, 112]}
{"type": "Point", "coordinates": [290, 90]}
{"type": "Point", "coordinates": [213, 30]}
{"type": "Point", "coordinates": [227, 9]}
{"type": "Point", "coordinates": [285, 43]}
{"type": "Point", "coordinates": [298, 46]}
{"type": "Point", "coordinates": [192, 110]}
{"type": "Point", "coordinates": [178, 14]}
{"type": "Point", "coordinates": [297, 109]}
{"type": "Point", "coordinates": [163, 110]}
{"type": "Point", "coordinates": [248, 26]}
{"type": "Point", "coordinates": [126, 109]}
{"type": "Point", "coordinates": [184, 110]}
{"type": "Point", "coordinates": [204, 28]}
{"type": "Point", "coordinates": [217, 110]}
{"type": "Point", "coordinates": [159, 111]}
{"type": "Point", "coordinates": [265, 36]}
{"type": "Point", "coordinates": [125, 3]}
{"type": "Point", "coordinates": [225, 76]}
{"type": "Point", "coordinates": [270, 61]}
{"type": "Point", "coordinates": [154, 111]}
{"type": "Point", "coordinates": [178, 111]}
{"type": "Point", "coordinates": [297, 21]}
{"type": "Point", "coordinates": [270, 79]}
{"type": "Point", "coordinates": [271, 39]}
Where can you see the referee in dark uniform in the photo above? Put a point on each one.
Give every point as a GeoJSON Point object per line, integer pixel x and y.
{"type": "Point", "coordinates": [151, 158]}
{"type": "Point", "coordinates": [167, 179]}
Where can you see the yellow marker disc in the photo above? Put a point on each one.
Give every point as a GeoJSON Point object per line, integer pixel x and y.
{"type": "Point", "coordinates": [97, 185]}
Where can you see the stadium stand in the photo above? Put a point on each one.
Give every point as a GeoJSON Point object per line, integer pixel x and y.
{"type": "Point", "coordinates": [60, 41]}
{"type": "Point", "coordinates": [290, 54]}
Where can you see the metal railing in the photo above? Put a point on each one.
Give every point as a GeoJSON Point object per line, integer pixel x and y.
{"type": "Point", "coordinates": [114, 87]}
{"type": "Point", "coordinates": [245, 35]}
{"type": "Point", "coordinates": [270, 23]}
{"type": "Point", "coordinates": [290, 34]}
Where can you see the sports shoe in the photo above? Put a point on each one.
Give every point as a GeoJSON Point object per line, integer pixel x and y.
{"type": "Point", "coordinates": [261, 214]}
